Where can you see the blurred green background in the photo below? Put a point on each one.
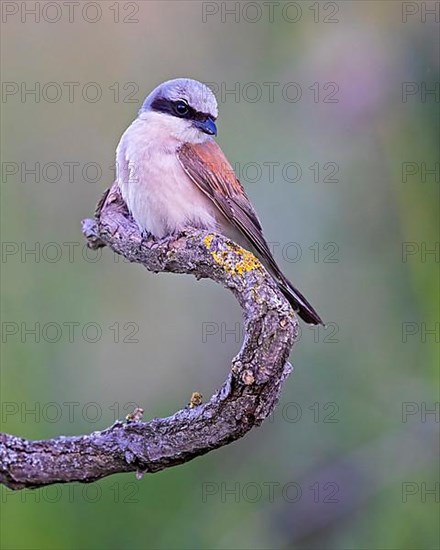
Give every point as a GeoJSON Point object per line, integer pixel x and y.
{"type": "Point", "coordinates": [349, 459]}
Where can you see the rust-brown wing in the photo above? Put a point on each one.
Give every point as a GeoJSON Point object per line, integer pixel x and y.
{"type": "Point", "coordinates": [209, 169]}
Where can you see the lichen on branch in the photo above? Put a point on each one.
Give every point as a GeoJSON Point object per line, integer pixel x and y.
{"type": "Point", "coordinates": [245, 399]}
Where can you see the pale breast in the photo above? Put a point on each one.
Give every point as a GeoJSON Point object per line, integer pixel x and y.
{"type": "Point", "coordinates": [161, 197]}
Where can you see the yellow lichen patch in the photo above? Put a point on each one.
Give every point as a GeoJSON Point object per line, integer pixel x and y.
{"type": "Point", "coordinates": [248, 262]}
{"type": "Point", "coordinates": [208, 240]}
{"type": "Point", "coordinates": [196, 400]}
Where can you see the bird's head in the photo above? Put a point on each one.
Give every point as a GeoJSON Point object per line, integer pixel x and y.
{"type": "Point", "coordinates": [186, 108]}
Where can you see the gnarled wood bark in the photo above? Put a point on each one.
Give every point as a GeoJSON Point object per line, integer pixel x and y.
{"type": "Point", "coordinates": [246, 398]}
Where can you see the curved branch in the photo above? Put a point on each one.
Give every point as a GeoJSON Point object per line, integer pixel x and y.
{"type": "Point", "coordinates": [246, 398]}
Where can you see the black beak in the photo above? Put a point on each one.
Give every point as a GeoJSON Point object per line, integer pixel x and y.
{"type": "Point", "coordinates": [207, 126]}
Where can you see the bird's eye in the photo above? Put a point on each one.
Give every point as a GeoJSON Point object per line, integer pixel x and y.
{"type": "Point", "coordinates": [182, 108]}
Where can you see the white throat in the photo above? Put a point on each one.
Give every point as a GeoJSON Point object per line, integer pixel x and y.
{"type": "Point", "coordinates": [169, 129]}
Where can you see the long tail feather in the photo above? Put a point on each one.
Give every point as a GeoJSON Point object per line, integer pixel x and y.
{"type": "Point", "coordinates": [304, 309]}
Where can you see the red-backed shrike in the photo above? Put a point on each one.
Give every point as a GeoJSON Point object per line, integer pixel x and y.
{"type": "Point", "coordinates": [173, 175]}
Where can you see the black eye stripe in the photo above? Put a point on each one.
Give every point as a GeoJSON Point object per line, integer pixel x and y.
{"type": "Point", "coordinates": [164, 105]}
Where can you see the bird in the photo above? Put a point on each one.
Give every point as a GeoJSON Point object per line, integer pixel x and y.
{"type": "Point", "coordinates": [173, 176]}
